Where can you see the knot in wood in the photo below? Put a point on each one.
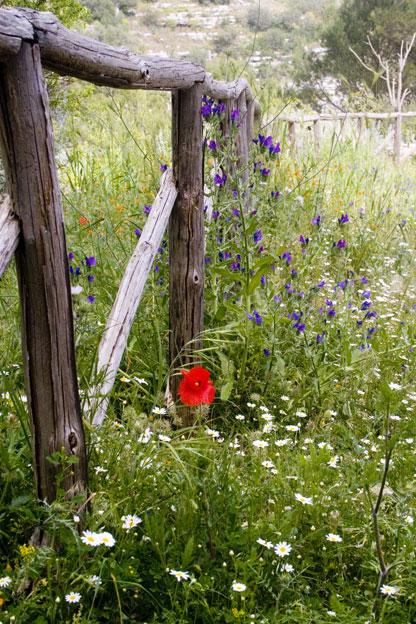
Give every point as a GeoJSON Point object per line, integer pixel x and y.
{"type": "Point", "coordinates": [73, 441]}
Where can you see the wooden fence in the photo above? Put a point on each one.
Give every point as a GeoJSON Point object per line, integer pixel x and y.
{"type": "Point", "coordinates": [317, 120]}
{"type": "Point", "coordinates": [32, 228]}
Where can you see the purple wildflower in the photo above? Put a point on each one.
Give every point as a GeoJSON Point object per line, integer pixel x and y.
{"type": "Point", "coordinates": [300, 327]}
{"type": "Point", "coordinates": [258, 236]}
{"type": "Point", "coordinates": [90, 261]}
{"type": "Point", "coordinates": [341, 244]}
{"type": "Point", "coordinates": [90, 298]}
{"type": "Point", "coordinates": [316, 220]}
{"type": "Point", "coordinates": [138, 232]}
{"type": "Point", "coordinates": [147, 209]}
{"type": "Point", "coordinates": [163, 167]}
{"type": "Point", "coordinates": [212, 145]}
{"type": "Point", "coordinates": [220, 180]}
{"type": "Point", "coordinates": [344, 218]}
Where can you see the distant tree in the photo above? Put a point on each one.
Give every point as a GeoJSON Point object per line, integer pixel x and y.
{"type": "Point", "coordinates": [386, 22]}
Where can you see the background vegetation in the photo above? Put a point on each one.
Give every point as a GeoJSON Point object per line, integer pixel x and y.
{"type": "Point", "coordinates": [310, 340]}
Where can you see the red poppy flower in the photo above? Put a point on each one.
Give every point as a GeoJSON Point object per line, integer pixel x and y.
{"type": "Point", "coordinates": [196, 387]}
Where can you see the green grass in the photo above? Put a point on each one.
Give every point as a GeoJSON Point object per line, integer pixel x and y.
{"type": "Point", "coordinates": [206, 495]}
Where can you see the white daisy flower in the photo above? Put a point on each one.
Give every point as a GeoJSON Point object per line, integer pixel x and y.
{"type": "Point", "coordinates": [164, 438]}
{"type": "Point", "coordinates": [159, 411]}
{"type": "Point", "coordinates": [107, 539]}
{"type": "Point", "coordinates": [282, 442]}
{"type": "Point", "coordinates": [287, 567]}
{"type": "Point", "coordinates": [292, 428]}
{"type": "Point", "coordinates": [130, 521]}
{"type": "Point", "coordinates": [5, 581]}
{"type": "Point", "coordinates": [282, 549]}
{"type": "Point", "coordinates": [260, 443]}
{"type": "Point", "coordinates": [73, 597]}
{"type": "Point", "coordinates": [389, 590]}
{"type": "Point", "coordinates": [305, 500]}
{"type": "Point", "coordinates": [90, 538]}
{"type": "Point", "coordinates": [333, 537]}
{"type": "Point", "coordinates": [179, 575]}
{"type": "Point", "coordinates": [238, 587]}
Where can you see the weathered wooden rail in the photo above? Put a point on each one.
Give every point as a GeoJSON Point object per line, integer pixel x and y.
{"type": "Point", "coordinates": [294, 121]}
{"type": "Point", "coordinates": [31, 223]}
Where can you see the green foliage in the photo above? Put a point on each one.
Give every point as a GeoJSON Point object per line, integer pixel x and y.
{"type": "Point", "coordinates": [387, 22]}
{"type": "Point", "coordinates": [69, 12]}
{"type": "Point", "coordinates": [305, 417]}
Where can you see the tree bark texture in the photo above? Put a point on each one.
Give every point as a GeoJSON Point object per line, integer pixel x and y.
{"type": "Point", "coordinates": [42, 267]}
{"type": "Point", "coordinates": [186, 238]}
{"type": "Point", "coordinates": [9, 234]}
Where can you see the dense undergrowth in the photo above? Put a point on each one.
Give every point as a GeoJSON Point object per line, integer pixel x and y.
{"type": "Point", "coordinates": [262, 512]}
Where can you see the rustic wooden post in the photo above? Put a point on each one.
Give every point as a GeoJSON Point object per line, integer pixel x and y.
{"type": "Point", "coordinates": [317, 135]}
{"type": "Point", "coordinates": [359, 130]}
{"type": "Point", "coordinates": [292, 136]}
{"type": "Point", "coordinates": [242, 142]}
{"type": "Point", "coordinates": [397, 141]}
{"type": "Point", "coordinates": [186, 238]}
{"type": "Point", "coordinates": [250, 120]}
{"type": "Point", "coordinates": [42, 267]}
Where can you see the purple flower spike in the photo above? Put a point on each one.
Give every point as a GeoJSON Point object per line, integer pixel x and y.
{"type": "Point", "coordinates": [235, 113]}
{"type": "Point", "coordinates": [71, 256]}
{"type": "Point", "coordinates": [265, 172]}
{"type": "Point", "coordinates": [90, 261]}
{"type": "Point", "coordinates": [344, 218]}
{"type": "Point", "coordinates": [220, 180]}
{"type": "Point", "coordinates": [258, 236]}
{"type": "Point", "coordinates": [341, 244]}
{"type": "Point", "coordinates": [274, 149]}
{"type": "Point", "coordinates": [300, 327]}
{"type": "Point", "coordinates": [90, 298]}
{"type": "Point", "coordinates": [212, 145]}
{"type": "Point", "coordinates": [316, 220]}
{"type": "Point", "coordinates": [138, 232]}
{"type": "Point", "coordinates": [147, 209]}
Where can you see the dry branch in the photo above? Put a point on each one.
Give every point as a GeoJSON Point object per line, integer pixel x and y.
{"type": "Point", "coordinates": [120, 321]}
{"type": "Point", "coordinates": [9, 234]}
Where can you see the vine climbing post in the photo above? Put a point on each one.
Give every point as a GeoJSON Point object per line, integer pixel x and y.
{"type": "Point", "coordinates": [186, 237]}
{"type": "Point", "coordinates": [26, 140]}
